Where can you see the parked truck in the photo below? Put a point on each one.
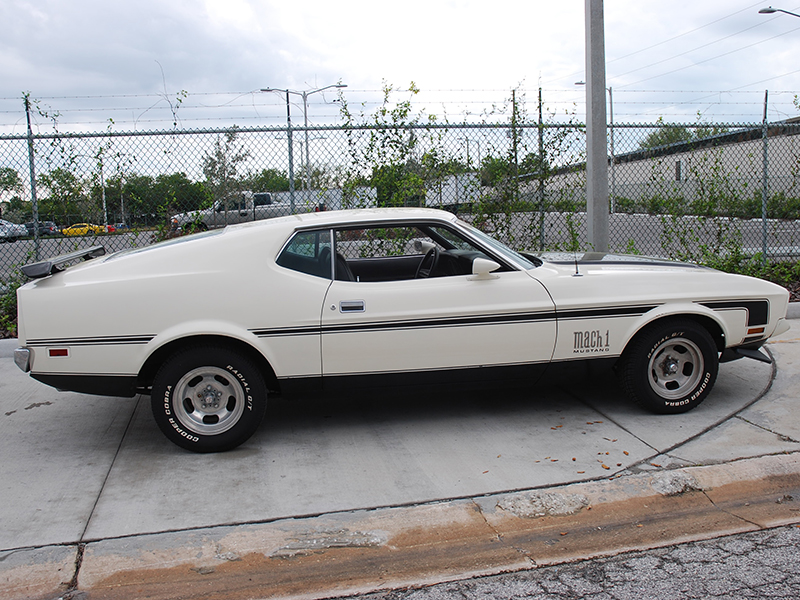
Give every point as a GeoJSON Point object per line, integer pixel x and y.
{"type": "Point", "coordinates": [244, 206]}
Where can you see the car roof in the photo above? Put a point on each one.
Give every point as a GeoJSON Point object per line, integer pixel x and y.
{"type": "Point", "coordinates": [334, 218]}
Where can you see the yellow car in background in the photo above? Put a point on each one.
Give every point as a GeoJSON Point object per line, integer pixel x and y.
{"type": "Point", "coordinates": [83, 229]}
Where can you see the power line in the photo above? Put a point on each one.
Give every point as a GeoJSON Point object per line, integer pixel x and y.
{"type": "Point", "coordinates": [708, 59]}
{"type": "Point", "coordinates": [691, 50]}
{"type": "Point", "coordinates": [680, 35]}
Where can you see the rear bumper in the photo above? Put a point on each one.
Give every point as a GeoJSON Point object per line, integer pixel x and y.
{"type": "Point", "coordinates": [22, 358]}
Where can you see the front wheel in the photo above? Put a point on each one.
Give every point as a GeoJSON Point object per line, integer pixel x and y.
{"type": "Point", "coordinates": [670, 367]}
{"type": "Point", "coordinates": [208, 399]}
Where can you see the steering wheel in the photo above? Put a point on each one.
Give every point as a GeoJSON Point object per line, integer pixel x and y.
{"type": "Point", "coordinates": [432, 257]}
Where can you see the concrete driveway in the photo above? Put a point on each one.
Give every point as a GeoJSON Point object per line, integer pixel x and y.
{"type": "Point", "coordinates": [84, 476]}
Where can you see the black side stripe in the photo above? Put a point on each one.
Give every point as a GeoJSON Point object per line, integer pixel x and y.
{"type": "Point", "coordinates": [436, 323]}
{"type": "Point", "coordinates": [757, 310]}
{"type": "Point", "coordinates": [410, 324]}
{"type": "Point", "coordinates": [467, 321]}
{"type": "Point", "coordinates": [93, 341]}
{"type": "Point", "coordinates": [286, 331]}
{"type": "Point", "coordinates": [595, 313]}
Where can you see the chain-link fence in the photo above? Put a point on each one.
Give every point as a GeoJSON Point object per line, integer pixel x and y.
{"type": "Point", "coordinates": [681, 191]}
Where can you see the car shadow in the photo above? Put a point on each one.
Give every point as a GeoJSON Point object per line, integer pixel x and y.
{"type": "Point", "coordinates": [558, 388]}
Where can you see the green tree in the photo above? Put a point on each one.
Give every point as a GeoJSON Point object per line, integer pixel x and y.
{"type": "Point", "coordinates": [11, 183]}
{"type": "Point", "coordinates": [221, 166]}
{"type": "Point", "coordinates": [494, 170]}
{"type": "Point", "coordinates": [10, 180]}
{"type": "Point", "coordinates": [17, 210]}
{"type": "Point", "coordinates": [182, 193]}
{"type": "Point", "coordinates": [66, 201]}
{"type": "Point", "coordinates": [384, 155]}
{"type": "Point", "coordinates": [140, 198]}
{"type": "Point", "coordinates": [666, 134]}
{"type": "Point", "coordinates": [149, 200]}
{"type": "Point", "coordinates": [268, 180]}
{"type": "Point", "coordinates": [398, 185]}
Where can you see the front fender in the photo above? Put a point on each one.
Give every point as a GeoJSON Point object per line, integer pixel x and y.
{"type": "Point", "coordinates": [606, 332]}
{"type": "Point", "coordinates": [731, 325]}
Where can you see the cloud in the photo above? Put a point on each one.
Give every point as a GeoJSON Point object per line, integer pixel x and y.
{"type": "Point", "coordinates": [59, 49]}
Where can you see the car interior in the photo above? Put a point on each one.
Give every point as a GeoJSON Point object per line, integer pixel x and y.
{"type": "Point", "coordinates": [385, 253]}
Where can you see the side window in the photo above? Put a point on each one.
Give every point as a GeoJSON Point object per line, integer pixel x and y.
{"type": "Point", "coordinates": [381, 242]}
{"type": "Point", "coordinates": [394, 253]}
{"type": "Point", "coordinates": [262, 199]}
{"type": "Point", "coordinates": [308, 252]}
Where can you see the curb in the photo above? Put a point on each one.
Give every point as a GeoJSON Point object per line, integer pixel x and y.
{"type": "Point", "coordinates": [366, 551]}
{"type": "Point", "coordinates": [794, 310]}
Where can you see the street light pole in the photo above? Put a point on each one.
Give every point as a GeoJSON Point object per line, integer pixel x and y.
{"type": "Point", "coordinates": [769, 10]}
{"type": "Point", "coordinates": [99, 158]}
{"type": "Point", "coordinates": [103, 190]}
{"type": "Point", "coordinates": [611, 133]}
{"type": "Point", "coordinates": [305, 95]}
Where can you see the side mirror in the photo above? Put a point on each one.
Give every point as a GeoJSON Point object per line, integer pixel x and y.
{"type": "Point", "coordinates": [482, 269]}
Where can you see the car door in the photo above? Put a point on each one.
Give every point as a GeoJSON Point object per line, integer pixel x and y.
{"type": "Point", "coordinates": [441, 328]}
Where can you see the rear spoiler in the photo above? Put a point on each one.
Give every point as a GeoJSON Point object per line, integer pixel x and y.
{"type": "Point", "coordinates": [53, 265]}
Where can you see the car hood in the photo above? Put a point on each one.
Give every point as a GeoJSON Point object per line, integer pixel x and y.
{"type": "Point", "coordinates": [584, 280]}
{"type": "Point", "coordinates": [610, 260]}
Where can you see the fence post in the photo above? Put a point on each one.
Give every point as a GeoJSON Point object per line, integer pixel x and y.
{"type": "Point", "coordinates": [541, 174]}
{"type": "Point", "coordinates": [764, 181]}
{"type": "Point", "coordinates": [31, 166]}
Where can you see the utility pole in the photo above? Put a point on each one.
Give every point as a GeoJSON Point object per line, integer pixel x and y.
{"type": "Point", "coordinates": [596, 129]}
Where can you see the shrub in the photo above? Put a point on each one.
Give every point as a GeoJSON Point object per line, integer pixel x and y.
{"type": "Point", "coordinates": [8, 305]}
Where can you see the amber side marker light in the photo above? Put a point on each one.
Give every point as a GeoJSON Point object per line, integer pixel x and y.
{"type": "Point", "coordinates": [755, 330]}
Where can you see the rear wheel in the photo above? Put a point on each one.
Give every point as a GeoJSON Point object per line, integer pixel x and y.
{"type": "Point", "coordinates": [670, 367]}
{"type": "Point", "coordinates": [208, 399]}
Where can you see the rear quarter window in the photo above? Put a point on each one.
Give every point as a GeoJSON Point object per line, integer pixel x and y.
{"type": "Point", "coordinates": [308, 252]}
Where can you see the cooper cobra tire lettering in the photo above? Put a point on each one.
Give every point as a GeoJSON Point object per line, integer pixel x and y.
{"type": "Point", "coordinates": [208, 398]}
{"type": "Point", "coordinates": [670, 366]}
{"type": "Point", "coordinates": [191, 438]}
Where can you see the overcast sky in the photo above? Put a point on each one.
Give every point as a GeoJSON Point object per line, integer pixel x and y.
{"type": "Point", "coordinates": [94, 60]}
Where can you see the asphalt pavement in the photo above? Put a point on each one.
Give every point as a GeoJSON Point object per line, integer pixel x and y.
{"type": "Point", "coordinates": [746, 566]}
{"type": "Point", "coordinates": [350, 495]}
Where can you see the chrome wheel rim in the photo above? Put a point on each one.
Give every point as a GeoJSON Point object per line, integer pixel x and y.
{"type": "Point", "coordinates": [675, 368]}
{"type": "Point", "coordinates": [208, 401]}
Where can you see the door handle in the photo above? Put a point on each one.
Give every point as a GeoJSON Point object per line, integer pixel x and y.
{"type": "Point", "coordinates": [350, 306]}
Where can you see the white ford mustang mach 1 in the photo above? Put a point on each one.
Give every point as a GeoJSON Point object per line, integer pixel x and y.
{"type": "Point", "coordinates": [208, 324]}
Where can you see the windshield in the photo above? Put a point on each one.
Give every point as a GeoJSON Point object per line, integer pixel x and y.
{"type": "Point", "coordinates": [499, 247]}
